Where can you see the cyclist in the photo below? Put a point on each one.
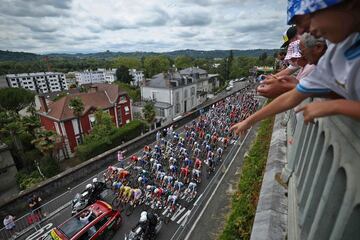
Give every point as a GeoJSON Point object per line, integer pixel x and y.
{"type": "Point", "coordinates": [198, 163]}
{"type": "Point", "coordinates": [172, 201]}
{"type": "Point", "coordinates": [191, 190]}
{"type": "Point", "coordinates": [196, 175]}
{"type": "Point", "coordinates": [178, 185]}
{"type": "Point", "coordinates": [184, 173]}
{"type": "Point", "coordinates": [135, 196]}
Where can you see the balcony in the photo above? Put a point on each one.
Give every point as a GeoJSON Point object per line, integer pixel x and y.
{"type": "Point", "coordinates": [323, 175]}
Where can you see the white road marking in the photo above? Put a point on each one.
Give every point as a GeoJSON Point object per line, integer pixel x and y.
{"type": "Point", "coordinates": [184, 216]}
{"type": "Point", "coordinates": [174, 217]}
{"type": "Point", "coordinates": [197, 200]}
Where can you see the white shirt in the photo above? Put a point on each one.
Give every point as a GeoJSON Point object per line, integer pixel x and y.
{"type": "Point", "coordinates": [9, 222]}
{"type": "Point", "coordinates": [338, 70]}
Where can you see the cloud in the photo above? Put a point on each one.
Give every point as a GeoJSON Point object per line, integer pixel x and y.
{"type": "Point", "coordinates": [44, 26]}
{"type": "Point", "coordinates": [35, 8]}
{"type": "Point", "coordinates": [194, 18]}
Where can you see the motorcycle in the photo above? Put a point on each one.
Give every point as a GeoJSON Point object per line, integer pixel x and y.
{"type": "Point", "coordinates": [138, 232]}
{"type": "Point", "coordinates": [80, 202]}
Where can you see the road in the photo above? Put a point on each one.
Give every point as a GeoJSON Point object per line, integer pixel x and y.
{"type": "Point", "coordinates": [184, 212]}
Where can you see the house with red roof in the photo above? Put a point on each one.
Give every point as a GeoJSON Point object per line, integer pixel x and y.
{"type": "Point", "coordinates": [59, 117]}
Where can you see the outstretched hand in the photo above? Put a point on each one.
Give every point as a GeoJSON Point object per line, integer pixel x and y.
{"type": "Point", "coordinates": [315, 110]}
{"type": "Point", "coordinates": [240, 128]}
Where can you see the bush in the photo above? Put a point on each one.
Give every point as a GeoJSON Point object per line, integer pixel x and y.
{"type": "Point", "coordinates": [26, 180]}
{"type": "Point", "coordinates": [49, 167]}
{"type": "Point", "coordinates": [121, 135]}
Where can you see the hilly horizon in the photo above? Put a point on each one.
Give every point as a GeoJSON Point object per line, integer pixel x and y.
{"type": "Point", "coordinates": [27, 56]}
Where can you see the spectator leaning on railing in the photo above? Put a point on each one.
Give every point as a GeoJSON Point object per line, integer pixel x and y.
{"type": "Point", "coordinates": [337, 71]}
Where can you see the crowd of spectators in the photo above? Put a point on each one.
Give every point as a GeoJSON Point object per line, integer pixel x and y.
{"type": "Point", "coordinates": [322, 61]}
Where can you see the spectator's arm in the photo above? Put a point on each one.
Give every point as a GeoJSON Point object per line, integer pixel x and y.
{"type": "Point", "coordinates": [282, 103]}
{"type": "Point", "coordinates": [332, 107]}
{"type": "Point", "coordinates": [286, 72]}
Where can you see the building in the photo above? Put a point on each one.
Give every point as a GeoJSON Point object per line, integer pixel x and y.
{"type": "Point", "coordinates": [172, 94]}
{"type": "Point", "coordinates": [101, 75]}
{"type": "Point", "coordinates": [41, 82]}
{"type": "Point", "coordinates": [138, 77]}
{"type": "Point", "coordinates": [200, 76]}
{"type": "Point", "coordinates": [59, 117]}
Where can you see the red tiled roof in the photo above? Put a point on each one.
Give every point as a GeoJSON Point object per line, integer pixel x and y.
{"type": "Point", "coordinates": [103, 98]}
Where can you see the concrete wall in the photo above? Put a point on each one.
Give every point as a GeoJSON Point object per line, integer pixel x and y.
{"type": "Point", "coordinates": [7, 170]}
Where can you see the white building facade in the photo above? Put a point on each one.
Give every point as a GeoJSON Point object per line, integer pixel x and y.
{"type": "Point", "coordinates": [171, 93]}
{"type": "Point", "coordinates": [137, 76]}
{"type": "Point", "coordinates": [41, 82]}
{"type": "Point", "coordinates": [101, 75]}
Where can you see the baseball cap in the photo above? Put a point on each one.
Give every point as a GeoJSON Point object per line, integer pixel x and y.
{"type": "Point", "coordinates": [301, 7]}
{"type": "Point", "coordinates": [293, 50]}
{"type": "Point", "coordinates": [289, 34]}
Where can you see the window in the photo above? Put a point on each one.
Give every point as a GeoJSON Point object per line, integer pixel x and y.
{"type": "Point", "coordinates": [192, 101]}
{"type": "Point", "coordinates": [186, 93]}
{"type": "Point", "coordinates": [177, 97]}
{"type": "Point", "coordinates": [78, 141]}
{"type": "Point", "coordinates": [192, 91]}
{"type": "Point", "coordinates": [162, 112]}
{"type": "Point", "coordinates": [154, 96]}
{"type": "Point", "coordinates": [92, 120]}
{"type": "Point", "coordinates": [127, 110]}
{"type": "Point", "coordinates": [177, 108]}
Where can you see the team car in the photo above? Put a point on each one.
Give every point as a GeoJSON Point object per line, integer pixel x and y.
{"type": "Point", "coordinates": [97, 221]}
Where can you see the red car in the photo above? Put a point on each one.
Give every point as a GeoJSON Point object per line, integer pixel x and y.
{"type": "Point", "coordinates": [97, 221]}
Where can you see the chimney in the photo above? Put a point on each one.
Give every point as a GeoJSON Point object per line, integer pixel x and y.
{"type": "Point", "coordinates": [43, 103]}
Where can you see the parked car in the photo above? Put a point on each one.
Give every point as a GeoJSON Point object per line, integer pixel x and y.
{"type": "Point", "coordinates": [97, 221]}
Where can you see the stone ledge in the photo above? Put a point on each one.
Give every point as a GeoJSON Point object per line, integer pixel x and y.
{"type": "Point", "coordinates": [271, 212]}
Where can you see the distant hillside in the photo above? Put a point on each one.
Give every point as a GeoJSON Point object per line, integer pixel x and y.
{"type": "Point", "coordinates": [173, 54]}
{"type": "Point", "coordinates": [17, 56]}
{"type": "Point", "coordinates": [23, 56]}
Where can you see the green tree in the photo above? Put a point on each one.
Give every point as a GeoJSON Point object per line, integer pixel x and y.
{"type": "Point", "coordinates": [262, 58]}
{"type": "Point", "coordinates": [182, 62]}
{"type": "Point", "coordinates": [77, 106]}
{"type": "Point", "coordinates": [47, 142]}
{"type": "Point", "coordinates": [156, 64]}
{"type": "Point", "coordinates": [123, 75]}
{"type": "Point", "coordinates": [103, 128]}
{"type": "Point", "coordinates": [129, 62]}
{"type": "Point", "coordinates": [149, 112]}
{"type": "Point", "coordinates": [15, 99]}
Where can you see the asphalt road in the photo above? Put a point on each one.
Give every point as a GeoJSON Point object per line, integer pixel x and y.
{"type": "Point", "coordinates": [184, 212]}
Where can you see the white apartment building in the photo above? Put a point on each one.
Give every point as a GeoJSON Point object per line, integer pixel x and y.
{"type": "Point", "coordinates": [101, 75]}
{"type": "Point", "coordinates": [172, 94]}
{"type": "Point", "coordinates": [137, 76]}
{"type": "Point", "coordinates": [41, 82]}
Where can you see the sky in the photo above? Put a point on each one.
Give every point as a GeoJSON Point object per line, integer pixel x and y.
{"type": "Point", "coordinates": [86, 26]}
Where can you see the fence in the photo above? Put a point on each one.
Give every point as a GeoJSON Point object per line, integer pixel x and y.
{"type": "Point", "coordinates": [324, 189]}
{"type": "Point", "coordinates": [26, 226]}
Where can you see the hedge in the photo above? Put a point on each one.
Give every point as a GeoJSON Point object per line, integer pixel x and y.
{"type": "Point", "coordinates": [121, 135]}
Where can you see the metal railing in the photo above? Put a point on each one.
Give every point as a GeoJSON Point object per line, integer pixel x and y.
{"type": "Point", "coordinates": [324, 189]}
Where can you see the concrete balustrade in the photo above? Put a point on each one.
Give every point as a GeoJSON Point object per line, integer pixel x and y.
{"type": "Point", "coordinates": [323, 169]}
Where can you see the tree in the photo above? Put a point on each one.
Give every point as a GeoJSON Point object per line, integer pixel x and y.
{"type": "Point", "coordinates": [129, 62]}
{"type": "Point", "coordinates": [262, 58]}
{"type": "Point", "coordinates": [156, 64]}
{"type": "Point", "coordinates": [15, 99]}
{"type": "Point", "coordinates": [149, 112]}
{"type": "Point", "coordinates": [77, 106]}
{"type": "Point", "coordinates": [182, 62]}
{"type": "Point", "coordinates": [123, 75]}
{"type": "Point", "coordinates": [103, 128]}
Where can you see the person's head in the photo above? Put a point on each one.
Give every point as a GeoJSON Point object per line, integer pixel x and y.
{"type": "Point", "coordinates": [337, 22]}
{"type": "Point", "coordinates": [293, 54]}
{"type": "Point", "coordinates": [312, 48]}
{"type": "Point", "coordinates": [289, 36]}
